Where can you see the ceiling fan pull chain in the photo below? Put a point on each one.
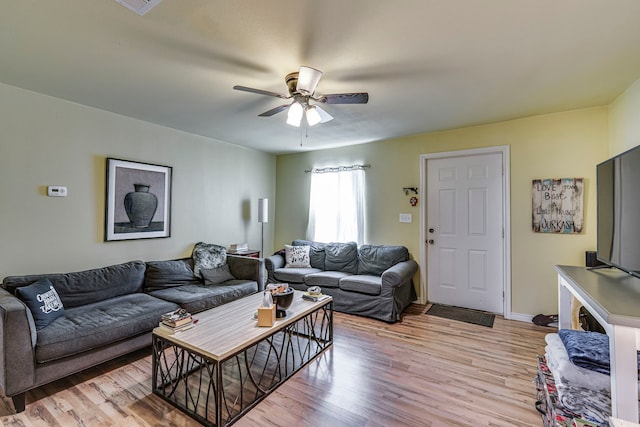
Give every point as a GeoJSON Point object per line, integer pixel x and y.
{"type": "Point", "coordinates": [301, 128]}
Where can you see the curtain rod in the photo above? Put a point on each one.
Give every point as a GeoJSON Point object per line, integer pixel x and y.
{"type": "Point", "coordinates": [337, 169]}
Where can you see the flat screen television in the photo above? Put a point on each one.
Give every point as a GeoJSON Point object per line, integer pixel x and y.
{"type": "Point", "coordinates": [618, 211]}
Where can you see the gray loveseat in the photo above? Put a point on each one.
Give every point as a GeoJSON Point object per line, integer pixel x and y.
{"type": "Point", "coordinates": [371, 280]}
{"type": "Point", "coordinates": [108, 312]}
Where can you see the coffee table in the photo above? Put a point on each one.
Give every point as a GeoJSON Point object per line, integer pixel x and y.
{"type": "Point", "coordinates": [221, 368]}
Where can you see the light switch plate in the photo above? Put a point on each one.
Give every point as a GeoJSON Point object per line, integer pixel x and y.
{"type": "Point", "coordinates": [56, 191]}
{"type": "Point", "coordinates": [405, 217]}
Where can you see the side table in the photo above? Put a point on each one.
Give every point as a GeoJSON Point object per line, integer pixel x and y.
{"type": "Point", "coordinates": [253, 253]}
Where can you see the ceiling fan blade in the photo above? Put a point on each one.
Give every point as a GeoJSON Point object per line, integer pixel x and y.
{"type": "Point", "coordinates": [324, 116]}
{"type": "Point", "coordinates": [308, 79]}
{"type": "Point", "coordinates": [345, 98]}
{"type": "Point", "coordinates": [260, 92]}
{"type": "Point", "coordinates": [274, 111]}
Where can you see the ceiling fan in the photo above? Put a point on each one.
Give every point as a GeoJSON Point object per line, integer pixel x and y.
{"type": "Point", "coordinates": [302, 86]}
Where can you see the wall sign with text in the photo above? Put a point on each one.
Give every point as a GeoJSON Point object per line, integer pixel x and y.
{"type": "Point", "coordinates": [558, 205]}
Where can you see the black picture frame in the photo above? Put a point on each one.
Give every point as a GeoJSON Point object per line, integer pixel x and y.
{"type": "Point", "coordinates": [131, 212]}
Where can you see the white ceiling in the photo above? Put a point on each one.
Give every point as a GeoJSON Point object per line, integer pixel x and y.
{"type": "Point", "coordinates": [427, 65]}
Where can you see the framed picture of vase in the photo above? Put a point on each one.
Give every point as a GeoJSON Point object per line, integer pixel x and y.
{"type": "Point", "coordinates": [138, 202]}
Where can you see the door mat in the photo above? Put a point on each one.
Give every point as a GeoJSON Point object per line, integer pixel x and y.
{"type": "Point", "coordinates": [467, 315]}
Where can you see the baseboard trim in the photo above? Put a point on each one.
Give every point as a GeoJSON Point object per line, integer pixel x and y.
{"type": "Point", "coordinates": [521, 317]}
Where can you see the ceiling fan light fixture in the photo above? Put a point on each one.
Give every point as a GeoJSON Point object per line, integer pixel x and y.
{"type": "Point", "coordinates": [301, 86]}
{"type": "Point", "coordinates": [313, 117]}
{"type": "Point", "coordinates": [294, 116]}
{"type": "Point", "coordinates": [308, 79]}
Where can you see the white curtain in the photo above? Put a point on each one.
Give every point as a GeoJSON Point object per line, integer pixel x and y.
{"type": "Point", "coordinates": [336, 207]}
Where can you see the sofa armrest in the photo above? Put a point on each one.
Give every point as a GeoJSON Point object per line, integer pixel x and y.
{"type": "Point", "coordinates": [399, 274]}
{"type": "Point", "coordinates": [273, 263]}
{"type": "Point", "coordinates": [17, 345]}
{"type": "Point", "coordinates": [247, 268]}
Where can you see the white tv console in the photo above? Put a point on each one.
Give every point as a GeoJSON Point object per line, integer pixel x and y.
{"type": "Point", "coordinates": [613, 298]}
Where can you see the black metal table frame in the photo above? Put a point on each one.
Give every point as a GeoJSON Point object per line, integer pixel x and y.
{"type": "Point", "coordinates": [189, 379]}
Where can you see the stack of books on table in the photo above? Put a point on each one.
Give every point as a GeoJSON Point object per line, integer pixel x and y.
{"type": "Point", "coordinates": [176, 321]}
{"type": "Point", "coordinates": [239, 247]}
{"type": "Point", "coordinates": [314, 297]}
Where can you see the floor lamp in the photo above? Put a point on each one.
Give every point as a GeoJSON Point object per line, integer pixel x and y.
{"type": "Point", "coordinates": [263, 216]}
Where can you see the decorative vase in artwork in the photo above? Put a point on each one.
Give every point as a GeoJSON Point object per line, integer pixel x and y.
{"type": "Point", "coordinates": [140, 205]}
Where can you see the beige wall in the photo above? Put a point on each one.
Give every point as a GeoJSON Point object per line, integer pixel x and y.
{"type": "Point", "coordinates": [567, 144]}
{"type": "Point", "coordinates": [624, 120]}
{"type": "Point", "coordinates": [47, 141]}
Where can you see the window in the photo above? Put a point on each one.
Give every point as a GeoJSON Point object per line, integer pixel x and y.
{"type": "Point", "coordinates": [336, 205]}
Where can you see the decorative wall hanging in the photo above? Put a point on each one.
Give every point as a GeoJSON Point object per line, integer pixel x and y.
{"type": "Point", "coordinates": [558, 205]}
{"type": "Point", "coordinates": [408, 189]}
{"type": "Point", "coordinates": [138, 202]}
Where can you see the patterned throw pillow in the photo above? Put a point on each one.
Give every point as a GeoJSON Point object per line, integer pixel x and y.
{"type": "Point", "coordinates": [297, 256]}
{"type": "Point", "coordinates": [43, 302]}
{"type": "Point", "coordinates": [208, 256]}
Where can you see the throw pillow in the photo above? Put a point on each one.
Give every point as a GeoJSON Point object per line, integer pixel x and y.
{"type": "Point", "coordinates": [215, 276]}
{"type": "Point", "coordinates": [316, 252]}
{"type": "Point", "coordinates": [297, 256]}
{"type": "Point", "coordinates": [208, 256]}
{"type": "Point", "coordinates": [43, 302]}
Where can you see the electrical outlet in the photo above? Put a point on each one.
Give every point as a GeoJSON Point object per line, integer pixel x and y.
{"type": "Point", "coordinates": [405, 217]}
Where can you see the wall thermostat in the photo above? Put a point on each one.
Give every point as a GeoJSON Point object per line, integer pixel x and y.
{"type": "Point", "coordinates": [56, 191]}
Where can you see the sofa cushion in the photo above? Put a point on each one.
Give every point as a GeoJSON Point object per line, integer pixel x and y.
{"type": "Point", "coordinates": [316, 252]}
{"type": "Point", "coordinates": [295, 275]}
{"type": "Point", "coordinates": [341, 257]}
{"type": "Point", "coordinates": [86, 287]}
{"type": "Point", "coordinates": [206, 255]}
{"type": "Point", "coordinates": [196, 298]}
{"type": "Point", "coordinates": [364, 284]}
{"type": "Point", "coordinates": [43, 302]}
{"type": "Point", "coordinates": [374, 259]}
{"type": "Point", "coordinates": [167, 274]}
{"type": "Point", "coordinates": [325, 279]}
{"type": "Point", "coordinates": [95, 325]}
{"type": "Point", "coordinates": [216, 276]}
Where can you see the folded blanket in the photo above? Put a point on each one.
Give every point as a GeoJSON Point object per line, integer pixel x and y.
{"type": "Point", "coordinates": [589, 350]}
{"type": "Point", "coordinates": [594, 407]}
{"type": "Point", "coordinates": [574, 375]}
{"type": "Point", "coordinates": [581, 390]}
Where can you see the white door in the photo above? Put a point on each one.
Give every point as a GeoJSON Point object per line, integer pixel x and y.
{"type": "Point", "coordinates": [465, 231]}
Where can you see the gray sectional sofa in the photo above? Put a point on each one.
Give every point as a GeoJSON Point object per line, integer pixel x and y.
{"type": "Point", "coordinates": [371, 280]}
{"type": "Point", "coordinates": [93, 316]}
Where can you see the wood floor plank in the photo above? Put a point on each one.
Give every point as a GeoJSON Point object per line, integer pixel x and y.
{"type": "Point", "coordinates": [423, 371]}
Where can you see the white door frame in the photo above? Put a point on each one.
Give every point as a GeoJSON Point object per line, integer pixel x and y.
{"type": "Point", "coordinates": [506, 218]}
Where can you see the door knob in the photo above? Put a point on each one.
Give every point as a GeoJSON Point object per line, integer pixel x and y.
{"type": "Point", "coordinates": [431, 230]}
{"type": "Point", "coordinates": [431, 241]}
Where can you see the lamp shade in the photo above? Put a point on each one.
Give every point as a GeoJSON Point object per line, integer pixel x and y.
{"type": "Point", "coordinates": [263, 210]}
{"type": "Point", "coordinates": [294, 116]}
{"type": "Point", "coordinates": [313, 117]}
{"type": "Point", "coordinates": [308, 79]}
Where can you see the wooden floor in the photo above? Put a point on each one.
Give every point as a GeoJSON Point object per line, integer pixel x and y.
{"type": "Point", "coordinates": [423, 371]}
